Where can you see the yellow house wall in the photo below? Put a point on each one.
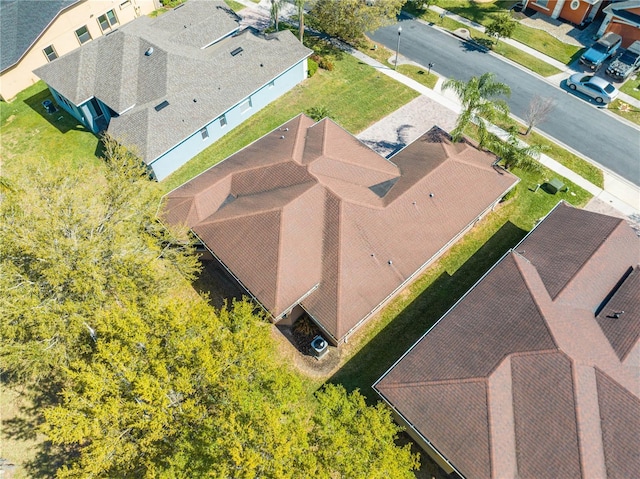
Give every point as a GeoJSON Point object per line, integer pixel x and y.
{"type": "Point", "coordinates": [61, 34]}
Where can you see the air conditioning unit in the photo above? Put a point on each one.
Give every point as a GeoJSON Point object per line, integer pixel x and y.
{"type": "Point", "coordinates": [319, 347]}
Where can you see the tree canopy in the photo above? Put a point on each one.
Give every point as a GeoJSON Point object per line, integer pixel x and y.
{"type": "Point", "coordinates": [148, 379]}
{"type": "Point", "coordinates": [348, 20]}
{"type": "Point", "coordinates": [480, 104]}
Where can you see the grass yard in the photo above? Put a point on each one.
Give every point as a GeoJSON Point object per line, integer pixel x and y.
{"type": "Point", "coordinates": [29, 134]}
{"type": "Point", "coordinates": [355, 94]}
{"type": "Point", "coordinates": [632, 86]}
{"type": "Point", "coordinates": [419, 74]}
{"type": "Point", "coordinates": [522, 58]}
{"type": "Point", "coordinates": [547, 44]}
{"type": "Point", "coordinates": [479, 12]}
{"type": "Point", "coordinates": [233, 5]}
{"type": "Point", "coordinates": [420, 305]}
{"type": "Point", "coordinates": [626, 111]}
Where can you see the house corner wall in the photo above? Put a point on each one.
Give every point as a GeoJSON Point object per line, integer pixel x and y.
{"type": "Point", "coordinates": [173, 159]}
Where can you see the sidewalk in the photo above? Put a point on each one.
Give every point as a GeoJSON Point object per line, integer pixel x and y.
{"type": "Point", "coordinates": [385, 138]}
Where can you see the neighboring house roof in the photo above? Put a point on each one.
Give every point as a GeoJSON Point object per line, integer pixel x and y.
{"type": "Point", "coordinates": [21, 24]}
{"type": "Point", "coordinates": [621, 10]}
{"type": "Point", "coordinates": [199, 80]}
{"type": "Point", "coordinates": [308, 214]}
{"type": "Point", "coordinates": [532, 374]}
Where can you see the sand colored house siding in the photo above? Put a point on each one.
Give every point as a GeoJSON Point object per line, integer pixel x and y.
{"type": "Point", "coordinates": [59, 37]}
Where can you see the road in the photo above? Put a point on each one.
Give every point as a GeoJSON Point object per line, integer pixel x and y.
{"type": "Point", "coordinates": [575, 122]}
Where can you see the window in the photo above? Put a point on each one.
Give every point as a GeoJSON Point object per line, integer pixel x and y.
{"type": "Point", "coordinates": [245, 106]}
{"type": "Point", "coordinates": [543, 3]}
{"type": "Point", "coordinates": [223, 121]}
{"type": "Point", "coordinates": [50, 53]}
{"type": "Point", "coordinates": [108, 20]}
{"type": "Point", "coordinates": [204, 133]}
{"type": "Point", "coordinates": [83, 35]}
{"type": "Point", "coordinates": [125, 4]}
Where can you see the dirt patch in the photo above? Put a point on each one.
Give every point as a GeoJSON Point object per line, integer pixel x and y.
{"type": "Point", "coordinates": [295, 345]}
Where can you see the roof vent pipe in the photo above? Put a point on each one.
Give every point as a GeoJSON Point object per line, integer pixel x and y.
{"type": "Point", "coordinates": [148, 52]}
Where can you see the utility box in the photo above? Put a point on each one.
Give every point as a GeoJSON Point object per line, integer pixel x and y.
{"type": "Point", "coordinates": [319, 347]}
{"type": "Point", "coordinates": [555, 185]}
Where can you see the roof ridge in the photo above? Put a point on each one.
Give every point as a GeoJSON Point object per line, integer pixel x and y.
{"type": "Point", "coordinates": [603, 241]}
{"type": "Point", "coordinates": [439, 382]}
{"type": "Point", "coordinates": [521, 262]}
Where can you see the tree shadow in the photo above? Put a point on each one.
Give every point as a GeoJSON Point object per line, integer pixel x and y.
{"type": "Point", "coordinates": [49, 458]}
{"type": "Point", "coordinates": [381, 352]}
{"type": "Point", "coordinates": [24, 427]}
{"type": "Point", "coordinates": [215, 284]}
{"type": "Point", "coordinates": [60, 119]}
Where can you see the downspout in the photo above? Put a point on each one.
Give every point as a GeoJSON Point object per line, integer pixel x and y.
{"type": "Point", "coordinates": [558, 9]}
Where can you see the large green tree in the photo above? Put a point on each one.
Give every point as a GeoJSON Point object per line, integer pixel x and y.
{"type": "Point", "coordinates": [148, 379]}
{"type": "Point", "coordinates": [348, 20]}
{"type": "Point", "coordinates": [480, 104]}
{"type": "Point", "coordinates": [73, 246]}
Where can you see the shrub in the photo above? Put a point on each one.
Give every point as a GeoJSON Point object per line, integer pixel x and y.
{"type": "Point", "coordinates": [312, 66]}
{"type": "Point", "coordinates": [326, 64]}
{"type": "Point", "coordinates": [171, 3]}
{"type": "Point", "coordinates": [318, 112]}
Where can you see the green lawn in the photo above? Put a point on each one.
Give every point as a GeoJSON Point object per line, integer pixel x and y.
{"type": "Point", "coordinates": [522, 58]}
{"type": "Point", "coordinates": [632, 86]}
{"type": "Point", "coordinates": [356, 95]}
{"type": "Point", "coordinates": [547, 44]}
{"type": "Point", "coordinates": [625, 110]}
{"type": "Point", "coordinates": [30, 134]}
{"type": "Point", "coordinates": [414, 311]}
{"type": "Point", "coordinates": [479, 12]}
{"type": "Point", "coordinates": [233, 5]}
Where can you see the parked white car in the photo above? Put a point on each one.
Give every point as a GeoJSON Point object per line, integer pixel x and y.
{"type": "Point", "coordinates": [595, 87]}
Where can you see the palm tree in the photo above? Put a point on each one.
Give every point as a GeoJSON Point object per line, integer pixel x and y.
{"type": "Point", "coordinates": [275, 11]}
{"type": "Point", "coordinates": [479, 104]}
{"type": "Point", "coordinates": [300, 6]}
{"type": "Point", "coordinates": [514, 153]}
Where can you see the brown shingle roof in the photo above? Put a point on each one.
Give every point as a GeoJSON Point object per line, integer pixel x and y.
{"type": "Point", "coordinates": [621, 327]}
{"type": "Point", "coordinates": [563, 386]}
{"type": "Point", "coordinates": [620, 413]}
{"type": "Point", "coordinates": [309, 206]}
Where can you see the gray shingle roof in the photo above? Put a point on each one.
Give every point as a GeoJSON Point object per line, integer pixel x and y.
{"type": "Point", "coordinates": [199, 83]}
{"type": "Point", "coordinates": [22, 22]}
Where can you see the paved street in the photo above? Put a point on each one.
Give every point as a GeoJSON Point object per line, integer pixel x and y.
{"type": "Point", "coordinates": [593, 133]}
